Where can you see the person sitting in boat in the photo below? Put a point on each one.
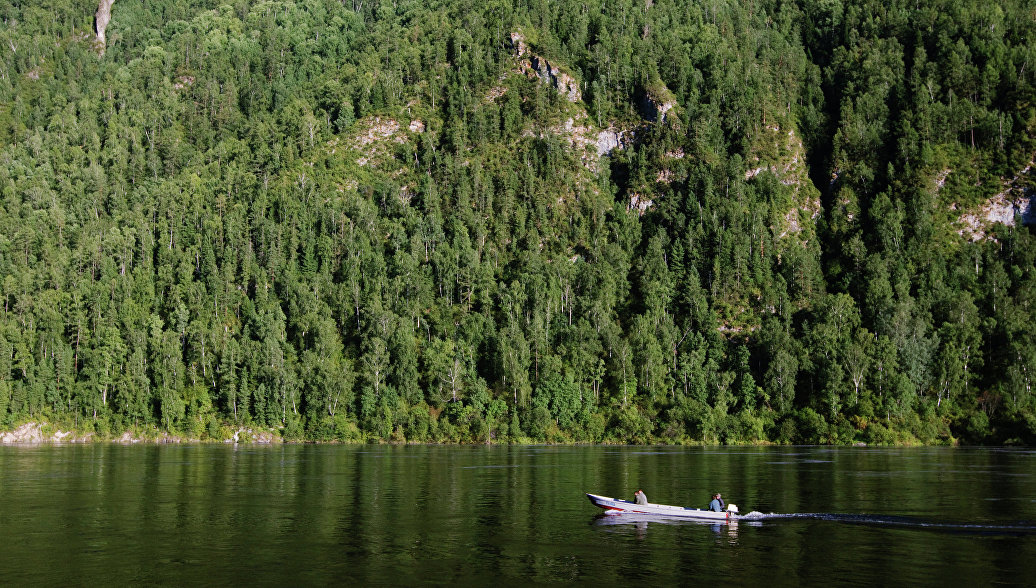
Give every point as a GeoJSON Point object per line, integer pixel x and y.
{"type": "Point", "coordinates": [717, 504]}
{"type": "Point", "coordinates": [640, 497]}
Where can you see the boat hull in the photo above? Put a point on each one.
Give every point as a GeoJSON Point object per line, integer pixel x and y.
{"type": "Point", "coordinates": [617, 506]}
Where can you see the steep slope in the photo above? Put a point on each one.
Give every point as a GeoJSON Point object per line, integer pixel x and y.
{"type": "Point", "coordinates": [480, 221]}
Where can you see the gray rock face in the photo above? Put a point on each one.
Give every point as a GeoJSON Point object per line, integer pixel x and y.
{"type": "Point", "coordinates": [546, 70]}
{"type": "Point", "coordinates": [1016, 203]}
{"type": "Point", "coordinates": [1004, 207]}
{"type": "Point", "coordinates": [101, 19]}
{"type": "Point", "coordinates": [1000, 212]}
{"type": "Point", "coordinates": [606, 141]}
{"type": "Point", "coordinates": [610, 139]}
{"type": "Point", "coordinates": [518, 44]}
{"type": "Point", "coordinates": [554, 77]}
{"type": "Point", "coordinates": [32, 433]}
{"type": "Point", "coordinates": [1000, 209]}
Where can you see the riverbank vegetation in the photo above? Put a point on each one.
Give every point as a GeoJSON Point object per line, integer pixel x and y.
{"type": "Point", "coordinates": [628, 221]}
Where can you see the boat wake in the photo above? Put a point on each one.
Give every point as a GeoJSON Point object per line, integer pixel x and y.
{"type": "Point", "coordinates": [997, 528]}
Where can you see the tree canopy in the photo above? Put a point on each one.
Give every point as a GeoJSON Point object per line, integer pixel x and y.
{"type": "Point", "coordinates": [513, 220]}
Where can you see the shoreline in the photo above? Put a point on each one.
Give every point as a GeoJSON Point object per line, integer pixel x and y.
{"type": "Point", "coordinates": [43, 433]}
{"type": "Point", "coordinates": [36, 433]}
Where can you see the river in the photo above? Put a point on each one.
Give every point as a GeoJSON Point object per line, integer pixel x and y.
{"type": "Point", "coordinates": [307, 515]}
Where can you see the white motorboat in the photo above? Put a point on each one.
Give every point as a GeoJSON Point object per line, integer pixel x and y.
{"type": "Point", "coordinates": [618, 506]}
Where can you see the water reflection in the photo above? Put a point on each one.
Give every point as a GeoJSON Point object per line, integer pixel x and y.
{"type": "Point", "coordinates": [408, 515]}
{"type": "Point", "coordinates": [731, 531]}
{"type": "Point", "coordinates": [726, 530]}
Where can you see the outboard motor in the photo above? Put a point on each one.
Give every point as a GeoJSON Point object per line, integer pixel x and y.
{"type": "Point", "coordinates": [732, 508]}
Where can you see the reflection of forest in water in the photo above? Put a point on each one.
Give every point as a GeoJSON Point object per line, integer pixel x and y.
{"type": "Point", "coordinates": [314, 514]}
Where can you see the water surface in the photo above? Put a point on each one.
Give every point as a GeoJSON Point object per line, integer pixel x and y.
{"type": "Point", "coordinates": [390, 515]}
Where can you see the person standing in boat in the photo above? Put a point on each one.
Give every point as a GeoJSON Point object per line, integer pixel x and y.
{"type": "Point", "coordinates": [640, 497]}
{"type": "Point", "coordinates": [717, 503]}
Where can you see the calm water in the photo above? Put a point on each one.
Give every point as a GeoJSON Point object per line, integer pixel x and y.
{"type": "Point", "coordinates": [330, 515]}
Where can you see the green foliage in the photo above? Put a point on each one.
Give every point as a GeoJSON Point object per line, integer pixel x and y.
{"type": "Point", "coordinates": [364, 221]}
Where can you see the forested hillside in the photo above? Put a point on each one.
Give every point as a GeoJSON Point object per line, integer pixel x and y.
{"type": "Point", "coordinates": [521, 221]}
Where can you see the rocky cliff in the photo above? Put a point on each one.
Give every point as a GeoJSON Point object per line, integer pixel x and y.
{"type": "Point", "coordinates": [1017, 200]}
{"type": "Point", "coordinates": [101, 19]}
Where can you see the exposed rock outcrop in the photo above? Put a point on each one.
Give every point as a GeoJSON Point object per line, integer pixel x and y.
{"type": "Point", "coordinates": [535, 65]}
{"type": "Point", "coordinates": [1002, 208]}
{"type": "Point", "coordinates": [640, 203]}
{"type": "Point", "coordinates": [589, 142]}
{"type": "Point", "coordinates": [609, 140]}
{"type": "Point", "coordinates": [244, 435]}
{"type": "Point", "coordinates": [518, 44]}
{"type": "Point", "coordinates": [1017, 200]}
{"type": "Point", "coordinates": [33, 433]}
{"type": "Point", "coordinates": [128, 438]}
{"type": "Point", "coordinates": [101, 19]}
{"type": "Point", "coordinates": [553, 76]}
{"type": "Point", "coordinates": [27, 433]}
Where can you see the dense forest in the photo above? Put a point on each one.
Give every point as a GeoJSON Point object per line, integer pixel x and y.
{"type": "Point", "coordinates": [644, 221]}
